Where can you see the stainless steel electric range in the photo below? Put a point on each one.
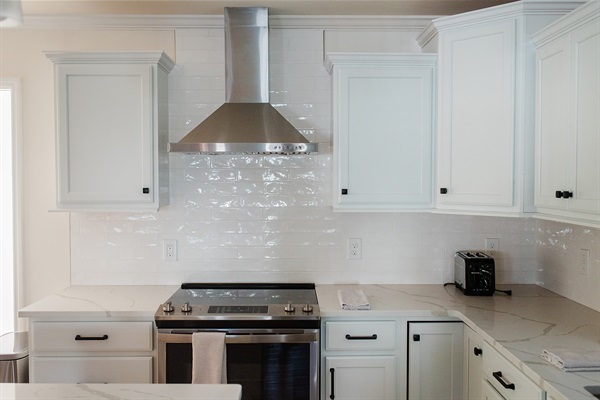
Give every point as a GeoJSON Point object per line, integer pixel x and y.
{"type": "Point", "coordinates": [272, 336]}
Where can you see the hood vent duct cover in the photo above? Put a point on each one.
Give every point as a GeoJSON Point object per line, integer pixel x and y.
{"type": "Point", "coordinates": [246, 123]}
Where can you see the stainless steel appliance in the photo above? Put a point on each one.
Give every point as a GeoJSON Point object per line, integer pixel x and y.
{"type": "Point", "coordinates": [272, 336]}
{"type": "Point", "coordinates": [474, 273]}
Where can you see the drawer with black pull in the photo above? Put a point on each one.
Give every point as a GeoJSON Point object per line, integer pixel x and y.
{"type": "Point", "coordinates": [91, 336]}
{"type": "Point", "coordinates": [360, 335]}
{"type": "Point", "coordinates": [506, 378]}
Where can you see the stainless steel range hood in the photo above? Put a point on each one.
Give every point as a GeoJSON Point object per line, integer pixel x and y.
{"type": "Point", "coordinates": [246, 123]}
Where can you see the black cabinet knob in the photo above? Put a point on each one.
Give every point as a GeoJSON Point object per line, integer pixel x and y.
{"type": "Point", "coordinates": [443, 191]}
{"type": "Point", "coordinates": [566, 194]}
{"type": "Point", "coordinates": [558, 194]}
{"type": "Point", "coordinates": [477, 351]}
{"type": "Point", "coordinates": [145, 190]}
{"type": "Point", "coordinates": [344, 191]}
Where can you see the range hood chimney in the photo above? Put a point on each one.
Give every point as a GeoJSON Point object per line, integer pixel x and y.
{"type": "Point", "coordinates": [246, 123]}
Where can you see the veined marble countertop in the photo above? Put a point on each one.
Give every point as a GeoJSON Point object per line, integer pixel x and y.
{"type": "Point", "coordinates": [518, 326]}
{"type": "Point", "coordinates": [57, 391]}
{"type": "Point", "coordinates": [127, 302]}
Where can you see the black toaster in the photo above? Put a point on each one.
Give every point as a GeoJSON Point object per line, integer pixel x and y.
{"type": "Point", "coordinates": [474, 273]}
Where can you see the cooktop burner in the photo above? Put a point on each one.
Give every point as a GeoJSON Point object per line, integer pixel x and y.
{"type": "Point", "coordinates": [237, 304]}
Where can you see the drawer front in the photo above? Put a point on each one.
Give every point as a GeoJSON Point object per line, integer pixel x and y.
{"type": "Point", "coordinates": [91, 370]}
{"type": "Point", "coordinates": [360, 335]}
{"type": "Point", "coordinates": [502, 375]}
{"type": "Point", "coordinates": [91, 336]}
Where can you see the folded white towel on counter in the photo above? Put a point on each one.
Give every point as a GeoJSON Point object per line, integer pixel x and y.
{"type": "Point", "coordinates": [209, 357]}
{"type": "Point", "coordinates": [573, 360]}
{"type": "Point", "coordinates": [353, 299]}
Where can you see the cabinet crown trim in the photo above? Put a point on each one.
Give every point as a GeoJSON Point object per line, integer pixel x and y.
{"type": "Point", "coordinates": [571, 21]}
{"type": "Point", "coordinates": [379, 59]}
{"type": "Point", "coordinates": [101, 57]}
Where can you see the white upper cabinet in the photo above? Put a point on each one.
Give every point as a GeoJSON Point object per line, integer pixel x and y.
{"type": "Point", "coordinates": [567, 179]}
{"type": "Point", "coordinates": [382, 130]}
{"type": "Point", "coordinates": [111, 130]}
{"type": "Point", "coordinates": [486, 106]}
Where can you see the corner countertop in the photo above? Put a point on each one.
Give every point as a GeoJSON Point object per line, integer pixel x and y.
{"type": "Point", "coordinates": [51, 391]}
{"type": "Point", "coordinates": [518, 326]}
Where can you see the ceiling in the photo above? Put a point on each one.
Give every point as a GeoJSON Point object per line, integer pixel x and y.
{"type": "Point", "coordinates": [276, 7]}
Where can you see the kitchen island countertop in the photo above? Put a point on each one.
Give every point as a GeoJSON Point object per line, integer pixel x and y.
{"type": "Point", "coordinates": [56, 391]}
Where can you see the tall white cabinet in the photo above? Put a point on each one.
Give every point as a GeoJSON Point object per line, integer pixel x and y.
{"type": "Point", "coordinates": [567, 170]}
{"type": "Point", "coordinates": [485, 103]}
{"type": "Point", "coordinates": [382, 130]}
{"type": "Point", "coordinates": [111, 130]}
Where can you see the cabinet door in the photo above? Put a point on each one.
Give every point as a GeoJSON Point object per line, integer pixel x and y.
{"type": "Point", "coordinates": [91, 370]}
{"type": "Point", "coordinates": [552, 124]}
{"type": "Point", "coordinates": [383, 137]}
{"type": "Point", "coordinates": [105, 135]}
{"type": "Point", "coordinates": [435, 360]}
{"type": "Point", "coordinates": [360, 377]}
{"type": "Point", "coordinates": [585, 123]}
{"type": "Point", "coordinates": [476, 119]}
{"type": "Point", "coordinates": [473, 363]}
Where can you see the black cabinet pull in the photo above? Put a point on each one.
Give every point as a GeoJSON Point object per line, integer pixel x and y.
{"type": "Point", "coordinates": [145, 190]}
{"type": "Point", "coordinates": [443, 191]}
{"type": "Point", "coordinates": [477, 351]}
{"type": "Point", "coordinates": [566, 194]}
{"type": "Point", "coordinates": [498, 376]}
{"type": "Point", "coordinates": [332, 372]}
{"type": "Point", "coordinates": [417, 338]}
{"type": "Point", "coordinates": [558, 194]}
{"type": "Point", "coordinates": [344, 191]}
{"type": "Point", "coordinates": [372, 337]}
{"type": "Point", "coordinates": [79, 337]}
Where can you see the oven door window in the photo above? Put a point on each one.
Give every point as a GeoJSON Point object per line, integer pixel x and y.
{"type": "Point", "coordinates": [271, 371]}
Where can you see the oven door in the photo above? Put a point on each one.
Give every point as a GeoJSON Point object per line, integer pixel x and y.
{"type": "Point", "coordinates": [270, 364]}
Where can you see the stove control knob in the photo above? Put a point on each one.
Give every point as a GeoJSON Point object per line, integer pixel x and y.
{"type": "Point", "coordinates": [289, 308]}
{"type": "Point", "coordinates": [186, 307]}
{"type": "Point", "coordinates": [168, 307]}
{"type": "Point", "coordinates": [308, 308]}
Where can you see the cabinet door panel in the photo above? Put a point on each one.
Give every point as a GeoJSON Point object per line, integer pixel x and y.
{"type": "Point", "coordinates": [477, 116]}
{"type": "Point", "coordinates": [585, 106]}
{"type": "Point", "coordinates": [552, 124]}
{"type": "Point", "coordinates": [105, 136]}
{"type": "Point", "coordinates": [473, 348]}
{"type": "Point", "coordinates": [361, 378]}
{"type": "Point", "coordinates": [435, 360]}
{"type": "Point", "coordinates": [91, 369]}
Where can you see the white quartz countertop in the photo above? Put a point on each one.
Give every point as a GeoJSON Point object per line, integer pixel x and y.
{"type": "Point", "coordinates": [47, 391]}
{"type": "Point", "coordinates": [126, 302]}
{"type": "Point", "coordinates": [518, 326]}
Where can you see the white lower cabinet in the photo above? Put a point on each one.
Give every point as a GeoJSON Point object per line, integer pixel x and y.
{"type": "Point", "coordinates": [488, 392]}
{"type": "Point", "coordinates": [91, 352]}
{"type": "Point", "coordinates": [505, 379]}
{"type": "Point", "coordinates": [473, 364]}
{"type": "Point", "coordinates": [361, 377]}
{"type": "Point", "coordinates": [435, 360]}
{"type": "Point", "coordinates": [360, 359]}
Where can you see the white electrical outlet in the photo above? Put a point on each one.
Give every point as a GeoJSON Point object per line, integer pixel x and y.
{"type": "Point", "coordinates": [355, 248]}
{"type": "Point", "coordinates": [492, 246]}
{"type": "Point", "coordinates": [584, 262]}
{"type": "Point", "coordinates": [170, 250]}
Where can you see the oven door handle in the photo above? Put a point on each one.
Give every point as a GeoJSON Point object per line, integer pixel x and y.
{"type": "Point", "coordinates": [245, 339]}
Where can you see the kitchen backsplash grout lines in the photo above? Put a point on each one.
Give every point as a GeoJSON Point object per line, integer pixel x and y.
{"type": "Point", "coordinates": [269, 218]}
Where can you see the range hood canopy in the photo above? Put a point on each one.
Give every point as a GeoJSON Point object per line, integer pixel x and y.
{"type": "Point", "coordinates": [246, 123]}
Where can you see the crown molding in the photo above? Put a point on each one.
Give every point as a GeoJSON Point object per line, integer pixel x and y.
{"type": "Point", "coordinates": [169, 22]}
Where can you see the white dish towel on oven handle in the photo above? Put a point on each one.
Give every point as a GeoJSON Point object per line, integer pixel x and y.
{"type": "Point", "coordinates": [209, 358]}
